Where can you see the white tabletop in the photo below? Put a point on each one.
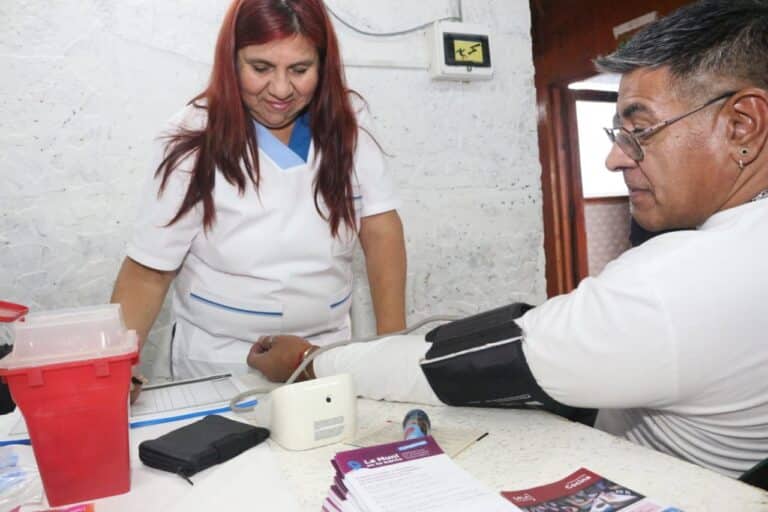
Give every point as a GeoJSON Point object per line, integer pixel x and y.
{"type": "Point", "coordinates": [532, 448]}
{"type": "Point", "coordinates": [523, 449]}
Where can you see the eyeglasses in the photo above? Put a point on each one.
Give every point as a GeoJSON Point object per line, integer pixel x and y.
{"type": "Point", "coordinates": [631, 142]}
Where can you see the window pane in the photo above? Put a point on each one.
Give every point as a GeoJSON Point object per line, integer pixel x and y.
{"type": "Point", "coordinates": [596, 180]}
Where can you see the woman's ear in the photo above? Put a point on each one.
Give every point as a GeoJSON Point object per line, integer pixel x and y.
{"type": "Point", "coordinates": [748, 124]}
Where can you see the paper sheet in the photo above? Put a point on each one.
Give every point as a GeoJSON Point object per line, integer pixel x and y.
{"type": "Point", "coordinates": [183, 396]}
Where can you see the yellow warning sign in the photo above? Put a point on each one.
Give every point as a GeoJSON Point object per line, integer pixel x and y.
{"type": "Point", "coordinates": [468, 51]}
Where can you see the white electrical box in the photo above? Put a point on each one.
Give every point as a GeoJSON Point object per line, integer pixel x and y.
{"type": "Point", "coordinates": [460, 51]}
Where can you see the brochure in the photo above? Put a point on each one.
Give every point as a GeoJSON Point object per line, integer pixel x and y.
{"type": "Point", "coordinates": [405, 476]}
{"type": "Point", "coordinates": [584, 491]}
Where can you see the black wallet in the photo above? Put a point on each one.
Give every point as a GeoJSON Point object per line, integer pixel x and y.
{"type": "Point", "coordinates": [199, 445]}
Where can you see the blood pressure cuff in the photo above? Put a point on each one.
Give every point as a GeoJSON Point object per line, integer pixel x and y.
{"type": "Point", "coordinates": [199, 445]}
{"type": "Point", "coordinates": [478, 361]}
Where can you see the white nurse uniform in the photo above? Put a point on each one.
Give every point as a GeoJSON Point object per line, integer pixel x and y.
{"type": "Point", "coordinates": [269, 264]}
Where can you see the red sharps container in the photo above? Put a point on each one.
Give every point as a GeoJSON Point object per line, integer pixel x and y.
{"type": "Point", "coordinates": [69, 373]}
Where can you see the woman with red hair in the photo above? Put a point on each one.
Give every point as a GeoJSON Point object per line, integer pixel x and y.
{"type": "Point", "coordinates": [266, 182]}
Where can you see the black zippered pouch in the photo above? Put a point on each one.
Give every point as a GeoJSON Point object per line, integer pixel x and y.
{"type": "Point", "coordinates": [200, 445]}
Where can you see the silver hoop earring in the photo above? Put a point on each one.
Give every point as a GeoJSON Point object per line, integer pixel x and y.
{"type": "Point", "coordinates": [741, 164]}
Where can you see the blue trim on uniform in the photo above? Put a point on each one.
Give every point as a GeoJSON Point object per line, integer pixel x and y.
{"type": "Point", "coordinates": [295, 153]}
{"type": "Point", "coordinates": [301, 137]}
{"type": "Point", "coordinates": [342, 301]}
{"type": "Point", "coordinates": [237, 310]}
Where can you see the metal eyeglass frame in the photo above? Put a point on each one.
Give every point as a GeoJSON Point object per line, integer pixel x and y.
{"type": "Point", "coordinates": [631, 142]}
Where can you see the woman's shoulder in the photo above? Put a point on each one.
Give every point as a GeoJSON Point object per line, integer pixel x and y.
{"type": "Point", "coordinates": [360, 108]}
{"type": "Point", "coordinates": [193, 117]}
{"type": "Point", "coordinates": [366, 122]}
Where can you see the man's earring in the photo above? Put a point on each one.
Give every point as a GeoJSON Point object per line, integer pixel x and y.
{"type": "Point", "coordinates": [742, 152]}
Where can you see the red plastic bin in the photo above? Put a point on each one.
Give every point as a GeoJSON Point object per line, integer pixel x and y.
{"type": "Point", "coordinates": [76, 410]}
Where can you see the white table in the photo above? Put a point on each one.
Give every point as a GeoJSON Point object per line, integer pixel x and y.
{"type": "Point", "coordinates": [531, 448]}
{"type": "Point", "coordinates": [523, 449]}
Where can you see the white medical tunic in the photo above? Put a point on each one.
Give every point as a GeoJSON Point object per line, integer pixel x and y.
{"type": "Point", "coordinates": [269, 264]}
{"type": "Point", "coordinates": [670, 341]}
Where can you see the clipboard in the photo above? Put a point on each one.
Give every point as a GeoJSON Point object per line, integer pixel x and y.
{"type": "Point", "coordinates": [159, 403]}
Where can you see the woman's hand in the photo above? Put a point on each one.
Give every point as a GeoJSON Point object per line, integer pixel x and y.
{"type": "Point", "coordinates": [137, 381]}
{"type": "Point", "coordinates": [277, 356]}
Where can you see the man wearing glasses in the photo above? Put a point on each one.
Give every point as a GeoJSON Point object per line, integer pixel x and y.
{"type": "Point", "coordinates": [687, 309]}
{"type": "Point", "coordinates": [670, 341]}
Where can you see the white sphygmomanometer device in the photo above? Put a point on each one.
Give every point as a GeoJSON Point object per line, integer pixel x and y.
{"type": "Point", "coordinates": [317, 412]}
{"type": "Point", "coordinates": [314, 413]}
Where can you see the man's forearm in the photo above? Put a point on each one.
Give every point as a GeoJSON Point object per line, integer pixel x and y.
{"type": "Point", "coordinates": [386, 369]}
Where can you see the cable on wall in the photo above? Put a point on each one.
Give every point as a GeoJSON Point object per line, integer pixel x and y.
{"type": "Point", "coordinates": [391, 34]}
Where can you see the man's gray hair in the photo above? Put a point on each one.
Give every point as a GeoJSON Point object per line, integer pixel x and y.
{"type": "Point", "coordinates": [709, 39]}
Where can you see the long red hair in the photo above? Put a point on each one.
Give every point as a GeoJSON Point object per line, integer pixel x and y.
{"type": "Point", "coordinates": [228, 142]}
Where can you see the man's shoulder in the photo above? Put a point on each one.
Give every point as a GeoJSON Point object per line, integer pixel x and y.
{"type": "Point", "coordinates": [733, 237]}
{"type": "Point", "coordinates": [656, 251]}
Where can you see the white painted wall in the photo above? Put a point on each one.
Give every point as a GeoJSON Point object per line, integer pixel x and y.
{"type": "Point", "coordinates": [86, 84]}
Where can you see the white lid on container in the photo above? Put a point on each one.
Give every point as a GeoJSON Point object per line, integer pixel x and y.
{"type": "Point", "coordinates": [68, 335]}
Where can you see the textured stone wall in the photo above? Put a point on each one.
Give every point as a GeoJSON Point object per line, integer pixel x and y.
{"type": "Point", "coordinates": [87, 84]}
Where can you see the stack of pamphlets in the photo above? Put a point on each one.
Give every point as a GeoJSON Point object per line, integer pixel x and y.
{"type": "Point", "coordinates": [584, 490]}
{"type": "Point", "coordinates": [405, 476]}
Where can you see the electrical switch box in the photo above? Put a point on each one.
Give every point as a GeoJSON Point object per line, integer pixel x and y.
{"type": "Point", "coordinates": [460, 51]}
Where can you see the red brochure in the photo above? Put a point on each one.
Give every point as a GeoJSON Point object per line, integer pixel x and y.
{"type": "Point", "coordinates": [580, 491]}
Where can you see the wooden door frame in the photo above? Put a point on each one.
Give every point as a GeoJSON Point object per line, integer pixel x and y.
{"type": "Point", "coordinates": [567, 263]}
{"type": "Point", "coordinates": [560, 211]}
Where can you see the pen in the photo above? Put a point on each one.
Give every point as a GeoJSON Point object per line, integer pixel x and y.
{"type": "Point", "coordinates": [478, 438]}
{"type": "Point", "coordinates": [186, 381]}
